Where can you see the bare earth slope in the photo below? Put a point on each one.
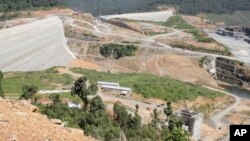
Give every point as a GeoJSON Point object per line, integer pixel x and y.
{"type": "Point", "coordinates": [19, 123]}
{"type": "Point", "coordinates": [34, 46]}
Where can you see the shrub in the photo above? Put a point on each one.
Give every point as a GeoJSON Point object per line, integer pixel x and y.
{"type": "Point", "coordinates": [117, 50]}
{"type": "Point", "coordinates": [177, 22]}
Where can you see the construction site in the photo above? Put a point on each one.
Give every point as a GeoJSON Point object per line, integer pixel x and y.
{"type": "Point", "coordinates": [73, 40]}
{"type": "Point", "coordinates": [193, 122]}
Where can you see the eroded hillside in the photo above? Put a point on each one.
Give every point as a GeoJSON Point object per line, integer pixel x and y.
{"type": "Point", "coordinates": [19, 121]}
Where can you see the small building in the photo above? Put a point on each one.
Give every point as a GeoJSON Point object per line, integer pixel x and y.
{"type": "Point", "coordinates": [122, 90]}
{"type": "Point", "coordinates": [192, 122]}
{"type": "Point", "coordinates": [73, 105]}
{"type": "Point", "coordinates": [101, 83]}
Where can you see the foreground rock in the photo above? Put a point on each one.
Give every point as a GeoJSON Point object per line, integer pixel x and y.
{"type": "Point", "coordinates": [19, 122]}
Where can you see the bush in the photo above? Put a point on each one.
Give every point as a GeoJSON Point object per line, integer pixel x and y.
{"type": "Point", "coordinates": [117, 50]}
{"type": "Point", "coordinates": [200, 36]}
{"type": "Point", "coordinates": [182, 45]}
{"type": "Point", "coordinates": [1, 90]}
{"type": "Point", "coordinates": [177, 22]}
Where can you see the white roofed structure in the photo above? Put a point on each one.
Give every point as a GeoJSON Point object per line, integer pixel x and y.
{"type": "Point", "coordinates": [101, 83]}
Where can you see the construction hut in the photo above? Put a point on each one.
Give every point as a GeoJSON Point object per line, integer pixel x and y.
{"type": "Point", "coordinates": [74, 105]}
{"type": "Point", "coordinates": [102, 83]}
{"type": "Point", "coordinates": [122, 90]}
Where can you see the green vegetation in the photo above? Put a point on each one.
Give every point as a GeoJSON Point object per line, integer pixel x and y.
{"type": "Point", "coordinates": [59, 110]}
{"type": "Point", "coordinates": [202, 60]}
{"type": "Point", "coordinates": [12, 8]}
{"type": "Point", "coordinates": [49, 79]}
{"type": "Point", "coordinates": [152, 33]}
{"type": "Point", "coordinates": [14, 5]}
{"type": "Point", "coordinates": [183, 45]}
{"type": "Point", "coordinates": [81, 90]}
{"type": "Point", "coordinates": [130, 42]}
{"type": "Point", "coordinates": [1, 90]}
{"type": "Point", "coordinates": [151, 85]}
{"type": "Point", "coordinates": [206, 109]}
{"type": "Point", "coordinates": [98, 7]}
{"type": "Point", "coordinates": [200, 36]}
{"type": "Point", "coordinates": [62, 96]}
{"type": "Point", "coordinates": [177, 22]}
{"type": "Point", "coordinates": [117, 50]}
{"type": "Point", "coordinates": [96, 122]}
{"type": "Point", "coordinates": [29, 92]}
{"type": "Point", "coordinates": [235, 18]}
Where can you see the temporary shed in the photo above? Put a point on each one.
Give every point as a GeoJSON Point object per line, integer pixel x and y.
{"type": "Point", "coordinates": [101, 83]}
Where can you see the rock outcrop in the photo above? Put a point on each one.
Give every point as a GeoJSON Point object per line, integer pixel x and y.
{"type": "Point", "coordinates": [230, 71]}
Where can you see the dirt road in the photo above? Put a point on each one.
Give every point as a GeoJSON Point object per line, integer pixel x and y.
{"type": "Point", "coordinates": [148, 42]}
{"type": "Point", "coordinates": [34, 46]}
{"type": "Point", "coordinates": [217, 119]}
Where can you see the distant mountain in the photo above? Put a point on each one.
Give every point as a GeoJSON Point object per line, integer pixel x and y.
{"type": "Point", "coordinates": [102, 7]}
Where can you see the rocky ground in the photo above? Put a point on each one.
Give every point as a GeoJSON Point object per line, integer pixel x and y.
{"type": "Point", "coordinates": [19, 121]}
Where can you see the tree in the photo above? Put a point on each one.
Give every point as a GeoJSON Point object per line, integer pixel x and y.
{"type": "Point", "coordinates": [1, 90]}
{"type": "Point", "coordinates": [137, 108]}
{"type": "Point", "coordinates": [168, 110]}
{"type": "Point", "coordinates": [174, 131]}
{"type": "Point", "coordinates": [155, 120]}
{"type": "Point", "coordinates": [81, 90]}
{"type": "Point", "coordinates": [98, 123]}
{"type": "Point", "coordinates": [120, 115]}
{"type": "Point", "coordinates": [97, 104]}
{"type": "Point", "coordinates": [55, 98]}
{"type": "Point", "coordinates": [29, 92]}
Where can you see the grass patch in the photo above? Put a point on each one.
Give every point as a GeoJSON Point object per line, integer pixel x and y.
{"type": "Point", "coordinates": [200, 36]}
{"type": "Point", "coordinates": [202, 60]}
{"type": "Point", "coordinates": [191, 47]}
{"type": "Point", "coordinates": [236, 18]}
{"type": "Point", "coordinates": [62, 96]}
{"type": "Point", "coordinates": [49, 79]}
{"type": "Point", "coordinates": [177, 22]}
{"type": "Point", "coordinates": [151, 86]}
{"type": "Point", "coordinates": [131, 42]}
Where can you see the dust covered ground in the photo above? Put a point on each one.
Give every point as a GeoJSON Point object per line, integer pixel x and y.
{"type": "Point", "coordinates": [20, 122]}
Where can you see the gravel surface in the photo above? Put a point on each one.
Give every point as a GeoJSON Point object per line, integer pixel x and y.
{"type": "Point", "coordinates": [239, 48]}
{"type": "Point", "coordinates": [35, 46]}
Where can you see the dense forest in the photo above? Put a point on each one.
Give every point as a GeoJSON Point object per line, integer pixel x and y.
{"type": "Point", "coordinates": [102, 7]}
{"type": "Point", "coordinates": [12, 8]}
{"type": "Point", "coordinates": [14, 5]}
